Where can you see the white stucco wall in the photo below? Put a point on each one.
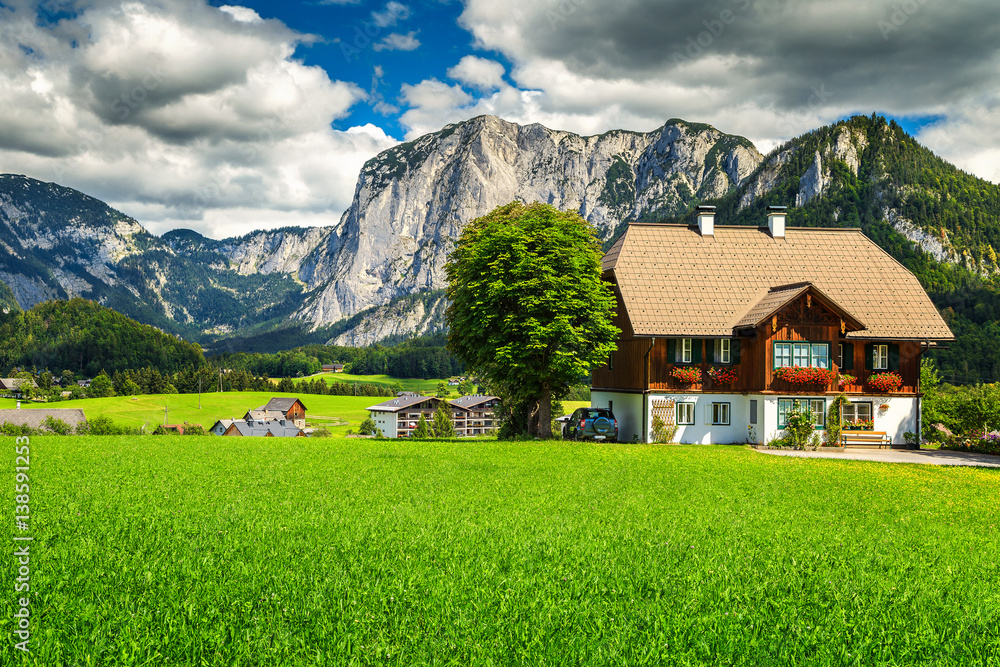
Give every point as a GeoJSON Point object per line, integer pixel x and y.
{"type": "Point", "coordinates": [703, 431]}
{"type": "Point", "coordinates": [897, 418]}
{"type": "Point", "coordinates": [386, 421]}
{"type": "Point", "coordinates": [627, 409]}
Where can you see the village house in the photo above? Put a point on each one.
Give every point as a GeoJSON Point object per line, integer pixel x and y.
{"type": "Point", "coordinates": [266, 429]}
{"type": "Point", "coordinates": [290, 409]}
{"type": "Point", "coordinates": [473, 415]}
{"type": "Point", "coordinates": [11, 387]}
{"type": "Point", "coordinates": [725, 329]}
{"type": "Point", "coordinates": [35, 418]}
{"type": "Point", "coordinates": [398, 417]}
{"type": "Point", "coordinates": [333, 368]}
{"type": "Point", "coordinates": [279, 417]}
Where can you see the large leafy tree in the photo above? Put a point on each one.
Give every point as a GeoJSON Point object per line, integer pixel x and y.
{"type": "Point", "coordinates": [529, 313]}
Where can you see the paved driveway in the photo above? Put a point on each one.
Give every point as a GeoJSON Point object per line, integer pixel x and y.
{"type": "Point", "coordinates": [936, 457]}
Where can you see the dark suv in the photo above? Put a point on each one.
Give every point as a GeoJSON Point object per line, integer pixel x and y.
{"type": "Point", "coordinates": [592, 424]}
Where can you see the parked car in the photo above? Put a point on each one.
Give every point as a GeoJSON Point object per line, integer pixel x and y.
{"type": "Point", "coordinates": [592, 424]}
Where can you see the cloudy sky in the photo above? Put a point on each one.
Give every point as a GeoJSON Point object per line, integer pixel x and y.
{"type": "Point", "coordinates": [224, 118]}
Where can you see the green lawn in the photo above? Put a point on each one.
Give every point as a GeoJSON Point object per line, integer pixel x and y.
{"type": "Point", "coordinates": [129, 411]}
{"type": "Point", "coordinates": [408, 384]}
{"type": "Point", "coordinates": [197, 551]}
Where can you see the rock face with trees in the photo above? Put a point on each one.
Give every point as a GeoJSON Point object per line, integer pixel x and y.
{"type": "Point", "coordinates": [529, 313]}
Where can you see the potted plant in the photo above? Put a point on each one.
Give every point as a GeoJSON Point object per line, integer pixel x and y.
{"type": "Point", "coordinates": [845, 379]}
{"type": "Point", "coordinates": [723, 374]}
{"type": "Point", "coordinates": [885, 382]}
{"type": "Point", "coordinates": [686, 374]}
{"type": "Point", "coordinates": [805, 374]}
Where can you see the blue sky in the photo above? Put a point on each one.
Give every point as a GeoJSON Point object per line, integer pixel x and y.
{"type": "Point", "coordinates": [352, 47]}
{"type": "Point", "coordinates": [225, 117]}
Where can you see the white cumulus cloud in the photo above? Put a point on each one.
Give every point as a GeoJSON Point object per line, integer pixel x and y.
{"type": "Point", "coordinates": [180, 113]}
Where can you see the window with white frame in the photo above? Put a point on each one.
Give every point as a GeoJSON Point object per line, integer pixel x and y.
{"type": "Point", "coordinates": [840, 355]}
{"type": "Point", "coordinates": [720, 414]}
{"type": "Point", "coordinates": [880, 357]}
{"type": "Point", "coordinates": [722, 351]}
{"type": "Point", "coordinates": [803, 355]}
{"type": "Point", "coordinates": [856, 414]}
{"type": "Point", "coordinates": [815, 406]}
{"type": "Point", "coordinates": [686, 350]}
{"type": "Point", "coordinates": [685, 413]}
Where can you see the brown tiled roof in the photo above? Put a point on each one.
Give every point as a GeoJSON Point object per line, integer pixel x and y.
{"type": "Point", "coordinates": [674, 282]}
{"type": "Point", "coordinates": [35, 418]}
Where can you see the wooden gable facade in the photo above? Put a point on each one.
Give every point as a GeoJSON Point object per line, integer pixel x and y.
{"type": "Point", "coordinates": [645, 363]}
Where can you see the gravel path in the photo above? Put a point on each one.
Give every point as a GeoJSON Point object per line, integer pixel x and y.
{"type": "Point", "coordinates": [927, 456]}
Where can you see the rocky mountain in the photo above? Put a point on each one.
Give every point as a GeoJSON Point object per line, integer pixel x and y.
{"type": "Point", "coordinates": [410, 204]}
{"type": "Point", "coordinates": [412, 200]}
{"type": "Point", "coordinates": [379, 272]}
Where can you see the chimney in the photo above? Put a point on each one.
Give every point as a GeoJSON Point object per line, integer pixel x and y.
{"type": "Point", "coordinates": [776, 221]}
{"type": "Point", "coordinates": [706, 220]}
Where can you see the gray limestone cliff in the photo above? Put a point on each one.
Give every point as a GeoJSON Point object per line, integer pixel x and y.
{"type": "Point", "coordinates": [412, 200]}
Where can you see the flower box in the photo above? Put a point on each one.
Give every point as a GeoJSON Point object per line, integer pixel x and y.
{"type": "Point", "coordinates": [845, 379]}
{"type": "Point", "coordinates": [885, 382]}
{"type": "Point", "coordinates": [686, 374]}
{"type": "Point", "coordinates": [723, 375]}
{"type": "Point", "coordinates": [805, 374]}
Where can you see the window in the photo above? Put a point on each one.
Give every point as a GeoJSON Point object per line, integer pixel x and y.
{"type": "Point", "coordinates": [816, 355]}
{"type": "Point", "coordinates": [816, 406]}
{"type": "Point", "coordinates": [720, 414]}
{"type": "Point", "coordinates": [611, 361]}
{"type": "Point", "coordinates": [853, 413]}
{"type": "Point", "coordinates": [685, 413]}
{"type": "Point", "coordinates": [611, 406]}
{"type": "Point", "coordinates": [880, 357]}
{"type": "Point", "coordinates": [800, 354]}
{"type": "Point", "coordinates": [722, 351]}
{"type": "Point", "coordinates": [840, 355]}
{"type": "Point", "coordinates": [753, 410]}
{"type": "Point", "coordinates": [782, 354]}
{"type": "Point", "coordinates": [686, 349]}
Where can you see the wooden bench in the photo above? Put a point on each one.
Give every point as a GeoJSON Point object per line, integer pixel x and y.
{"type": "Point", "coordinates": [855, 438]}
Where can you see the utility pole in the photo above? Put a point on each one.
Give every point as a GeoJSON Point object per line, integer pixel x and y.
{"type": "Point", "coordinates": [166, 411]}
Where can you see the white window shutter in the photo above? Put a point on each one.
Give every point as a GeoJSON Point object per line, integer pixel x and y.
{"type": "Point", "coordinates": [708, 414]}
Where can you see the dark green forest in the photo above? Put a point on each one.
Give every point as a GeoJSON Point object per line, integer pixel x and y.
{"type": "Point", "coordinates": [425, 357]}
{"type": "Point", "coordinates": [87, 338]}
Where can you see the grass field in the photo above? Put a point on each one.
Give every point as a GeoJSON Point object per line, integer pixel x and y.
{"type": "Point", "coordinates": [408, 384]}
{"type": "Point", "coordinates": [337, 413]}
{"type": "Point", "coordinates": [178, 551]}
{"type": "Point", "coordinates": [124, 410]}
